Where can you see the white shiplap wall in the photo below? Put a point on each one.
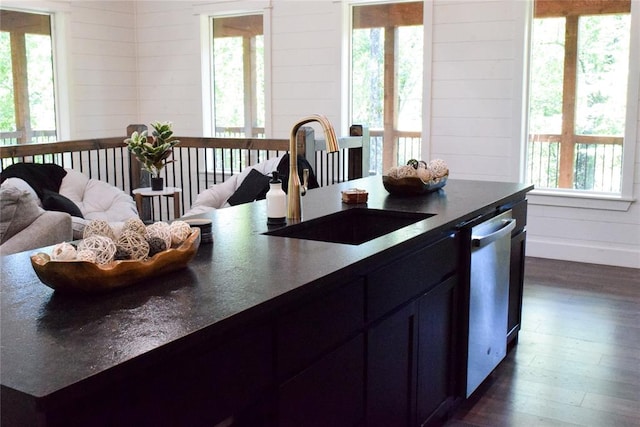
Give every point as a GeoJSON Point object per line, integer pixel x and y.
{"type": "Point", "coordinates": [306, 49]}
{"type": "Point", "coordinates": [101, 57]}
{"type": "Point", "coordinates": [475, 109]}
{"type": "Point", "coordinates": [168, 51]}
{"type": "Point", "coordinates": [153, 48]}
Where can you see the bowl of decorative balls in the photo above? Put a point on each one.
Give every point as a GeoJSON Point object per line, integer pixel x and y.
{"type": "Point", "coordinates": [106, 259]}
{"type": "Point", "coordinates": [416, 177]}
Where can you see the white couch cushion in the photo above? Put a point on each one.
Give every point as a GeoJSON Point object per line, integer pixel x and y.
{"type": "Point", "coordinates": [216, 196]}
{"type": "Point", "coordinates": [96, 200]}
{"type": "Point", "coordinates": [22, 185]}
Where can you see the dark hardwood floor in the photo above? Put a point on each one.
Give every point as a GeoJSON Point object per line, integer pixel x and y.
{"type": "Point", "coordinates": [577, 361]}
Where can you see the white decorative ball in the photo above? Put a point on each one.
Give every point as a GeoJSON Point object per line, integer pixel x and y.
{"type": "Point", "coordinates": [134, 224]}
{"type": "Point", "coordinates": [99, 227]}
{"type": "Point", "coordinates": [102, 246]}
{"type": "Point", "coordinates": [407, 171]}
{"type": "Point", "coordinates": [161, 230]}
{"type": "Point", "coordinates": [424, 174]}
{"type": "Point", "coordinates": [86, 255]}
{"type": "Point", "coordinates": [134, 244]}
{"type": "Point", "coordinates": [63, 252]}
{"type": "Point", "coordinates": [180, 230]}
{"type": "Point", "coordinates": [438, 168]}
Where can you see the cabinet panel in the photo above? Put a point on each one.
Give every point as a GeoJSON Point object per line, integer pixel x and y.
{"type": "Point", "coordinates": [519, 212]}
{"type": "Point", "coordinates": [329, 393]}
{"type": "Point", "coordinates": [390, 367]}
{"type": "Point", "coordinates": [195, 388]}
{"type": "Point", "coordinates": [436, 349]}
{"type": "Point", "coordinates": [401, 280]}
{"type": "Point", "coordinates": [516, 282]}
{"type": "Point", "coordinates": [304, 334]}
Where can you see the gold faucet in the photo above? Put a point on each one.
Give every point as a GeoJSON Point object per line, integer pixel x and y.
{"type": "Point", "coordinates": [295, 190]}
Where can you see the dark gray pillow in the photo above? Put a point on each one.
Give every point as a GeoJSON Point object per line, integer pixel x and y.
{"type": "Point", "coordinates": [53, 201]}
{"type": "Point", "coordinates": [18, 209]}
{"type": "Point", "coordinates": [254, 187]}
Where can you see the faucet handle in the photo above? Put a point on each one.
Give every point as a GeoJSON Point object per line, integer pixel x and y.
{"type": "Point", "coordinates": [305, 182]}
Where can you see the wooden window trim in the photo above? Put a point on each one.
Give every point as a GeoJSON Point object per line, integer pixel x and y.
{"type": "Point", "coordinates": [559, 8]}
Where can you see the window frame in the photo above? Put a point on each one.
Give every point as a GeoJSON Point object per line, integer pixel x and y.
{"type": "Point", "coordinates": [206, 14]}
{"type": "Point", "coordinates": [621, 201]}
{"type": "Point", "coordinates": [389, 17]}
{"type": "Point", "coordinates": [59, 46]}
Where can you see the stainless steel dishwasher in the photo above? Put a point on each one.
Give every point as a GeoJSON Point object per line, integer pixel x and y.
{"type": "Point", "coordinates": [488, 297]}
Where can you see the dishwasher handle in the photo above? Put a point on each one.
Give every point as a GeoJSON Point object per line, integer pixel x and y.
{"type": "Point", "coordinates": [507, 227]}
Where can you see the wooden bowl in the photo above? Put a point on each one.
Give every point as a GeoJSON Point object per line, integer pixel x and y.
{"type": "Point", "coordinates": [412, 186]}
{"type": "Point", "coordinates": [88, 277]}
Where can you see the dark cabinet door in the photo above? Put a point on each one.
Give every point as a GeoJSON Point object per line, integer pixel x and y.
{"type": "Point", "coordinates": [436, 352]}
{"type": "Point", "coordinates": [390, 368]}
{"type": "Point", "coordinates": [516, 282]}
{"type": "Point", "coordinates": [328, 393]}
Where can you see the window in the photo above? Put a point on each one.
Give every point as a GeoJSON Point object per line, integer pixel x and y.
{"type": "Point", "coordinates": [238, 76]}
{"type": "Point", "coordinates": [386, 79]}
{"type": "Point", "coordinates": [27, 99]}
{"type": "Point", "coordinates": [578, 94]}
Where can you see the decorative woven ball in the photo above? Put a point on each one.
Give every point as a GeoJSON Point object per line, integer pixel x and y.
{"type": "Point", "coordinates": [103, 247]}
{"type": "Point", "coordinates": [134, 224]}
{"type": "Point", "coordinates": [156, 244]}
{"type": "Point", "coordinates": [393, 172]}
{"type": "Point", "coordinates": [161, 230]}
{"type": "Point", "coordinates": [63, 252]}
{"type": "Point", "coordinates": [98, 227]}
{"type": "Point", "coordinates": [180, 230]}
{"type": "Point", "coordinates": [86, 255]}
{"type": "Point", "coordinates": [121, 254]}
{"type": "Point", "coordinates": [424, 174]}
{"type": "Point", "coordinates": [133, 243]}
{"type": "Point", "coordinates": [407, 171]}
{"type": "Point", "coordinates": [438, 168]}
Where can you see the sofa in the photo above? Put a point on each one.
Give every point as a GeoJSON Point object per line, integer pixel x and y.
{"type": "Point", "coordinates": [83, 199]}
{"type": "Point", "coordinates": [24, 225]}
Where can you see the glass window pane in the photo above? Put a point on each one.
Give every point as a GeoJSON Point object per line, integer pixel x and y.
{"type": "Point", "coordinates": [409, 74]}
{"type": "Point", "coordinates": [602, 74]}
{"type": "Point", "coordinates": [228, 82]}
{"type": "Point", "coordinates": [547, 72]}
{"type": "Point", "coordinates": [238, 76]}
{"type": "Point", "coordinates": [40, 72]}
{"type": "Point", "coordinates": [367, 77]}
{"type": "Point", "coordinates": [7, 112]}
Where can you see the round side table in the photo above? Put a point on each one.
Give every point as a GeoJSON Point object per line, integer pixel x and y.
{"type": "Point", "coordinates": [174, 192]}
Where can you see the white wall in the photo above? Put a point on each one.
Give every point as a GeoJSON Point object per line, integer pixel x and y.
{"type": "Point", "coordinates": [101, 59]}
{"type": "Point", "coordinates": [168, 52]}
{"type": "Point", "coordinates": [475, 112]}
{"type": "Point", "coordinates": [306, 73]}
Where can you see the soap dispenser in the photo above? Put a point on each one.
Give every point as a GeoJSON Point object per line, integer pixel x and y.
{"type": "Point", "coordinates": [276, 201]}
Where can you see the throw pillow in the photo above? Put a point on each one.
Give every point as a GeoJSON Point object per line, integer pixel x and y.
{"type": "Point", "coordinates": [254, 187]}
{"type": "Point", "coordinates": [283, 171]}
{"type": "Point", "coordinates": [47, 176]}
{"type": "Point", "coordinates": [18, 209]}
{"type": "Point", "coordinates": [53, 201]}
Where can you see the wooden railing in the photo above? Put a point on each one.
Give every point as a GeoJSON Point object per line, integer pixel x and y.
{"type": "Point", "coordinates": [199, 162]}
{"type": "Point", "coordinates": [585, 163]}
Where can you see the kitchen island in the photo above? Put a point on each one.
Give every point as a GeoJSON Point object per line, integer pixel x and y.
{"type": "Point", "coordinates": [264, 330]}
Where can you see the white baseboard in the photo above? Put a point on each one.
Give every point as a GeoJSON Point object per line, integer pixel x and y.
{"type": "Point", "coordinates": [567, 251]}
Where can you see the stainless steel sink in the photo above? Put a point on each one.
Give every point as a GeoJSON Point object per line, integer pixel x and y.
{"type": "Point", "coordinates": [351, 226]}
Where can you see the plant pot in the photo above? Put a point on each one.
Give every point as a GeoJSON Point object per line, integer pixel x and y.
{"type": "Point", "coordinates": [157, 184]}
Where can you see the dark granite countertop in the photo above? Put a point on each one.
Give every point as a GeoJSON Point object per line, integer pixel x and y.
{"type": "Point", "coordinates": [55, 346]}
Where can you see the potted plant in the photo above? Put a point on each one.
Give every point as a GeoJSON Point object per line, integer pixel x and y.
{"type": "Point", "coordinates": [153, 151]}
